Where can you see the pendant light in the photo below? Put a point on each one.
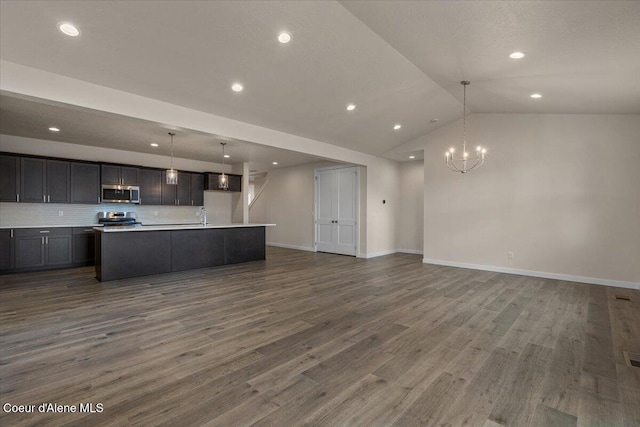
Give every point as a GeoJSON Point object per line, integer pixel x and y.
{"type": "Point", "coordinates": [462, 163]}
{"type": "Point", "coordinates": [172, 174]}
{"type": "Point", "coordinates": [223, 179]}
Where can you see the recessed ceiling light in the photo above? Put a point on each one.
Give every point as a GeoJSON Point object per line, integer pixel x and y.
{"type": "Point", "coordinates": [153, 144]}
{"type": "Point", "coordinates": [396, 127]}
{"type": "Point", "coordinates": [69, 29]}
{"type": "Point", "coordinates": [54, 129]}
{"type": "Point", "coordinates": [226, 156]}
{"type": "Point", "coordinates": [535, 95]}
{"type": "Point", "coordinates": [412, 157]}
{"type": "Point", "coordinates": [351, 107]}
{"type": "Point", "coordinates": [284, 37]}
{"type": "Point", "coordinates": [275, 163]}
{"type": "Point", "coordinates": [237, 87]}
{"type": "Point", "coordinates": [517, 55]}
{"type": "Point", "coordinates": [434, 120]}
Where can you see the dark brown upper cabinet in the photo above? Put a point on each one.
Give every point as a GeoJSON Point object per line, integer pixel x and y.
{"type": "Point", "coordinates": [85, 183]}
{"type": "Point", "coordinates": [9, 178]}
{"type": "Point", "coordinates": [150, 186]}
{"type": "Point", "coordinates": [45, 181]}
{"type": "Point", "coordinates": [197, 189]}
{"type": "Point", "coordinates": [119, 175]}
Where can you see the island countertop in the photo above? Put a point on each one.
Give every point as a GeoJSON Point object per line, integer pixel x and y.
{"type": "Point", "coordinates": [166, 227]}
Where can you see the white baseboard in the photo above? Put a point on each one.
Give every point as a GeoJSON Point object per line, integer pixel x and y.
{"type": "Point", "coordinates": [410, 251]}
{"type": "Point", "coordinates": [300, 248]}
{"type": "Point", "coordinates": [542, 274]}
{"type": "Point", "coordinates": [377, 254]}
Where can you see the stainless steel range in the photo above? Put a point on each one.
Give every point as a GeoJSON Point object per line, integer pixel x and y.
{"type": "Point", "coordinates": [109, 219]}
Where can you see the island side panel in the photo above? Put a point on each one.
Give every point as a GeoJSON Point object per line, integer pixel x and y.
{"type": "Point", "coordinates": [244, 244]}
{"type": "Point", "coordinates": [130, 254]}
{"type": "Point", "coordinates": [193, 249]}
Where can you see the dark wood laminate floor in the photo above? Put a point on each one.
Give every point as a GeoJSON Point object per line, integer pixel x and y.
{"type": "Point", "coordinates": [320, 340]}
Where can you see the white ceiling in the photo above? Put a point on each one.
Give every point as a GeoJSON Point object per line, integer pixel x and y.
{"type": "Point", "coordinates": [399, 62]}
{"type": "Point", "coordinates": [582, 56]}
{"type": "Point", "coordinates": [32, 118]}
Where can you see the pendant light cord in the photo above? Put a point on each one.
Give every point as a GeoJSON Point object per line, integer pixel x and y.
{"type": "Point", "coordinates": [172, 134]}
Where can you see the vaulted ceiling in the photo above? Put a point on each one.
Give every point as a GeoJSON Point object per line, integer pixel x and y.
{"type": "Point", "coordinates": [398, 62]}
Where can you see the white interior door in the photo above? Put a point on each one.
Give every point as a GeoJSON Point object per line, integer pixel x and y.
{"type": "Point", "coordinates": [336, 210]}
{"type": "Point", "coordinates": [325, 197]}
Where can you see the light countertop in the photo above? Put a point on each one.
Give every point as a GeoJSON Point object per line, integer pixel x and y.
{"type": "Point", "coordinates": [165, 227]}
{"type": "Point", "coordinates": [53, 226]}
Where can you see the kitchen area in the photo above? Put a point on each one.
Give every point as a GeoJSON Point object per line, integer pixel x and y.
{"type": "Point", "coordinates": [61, 213]}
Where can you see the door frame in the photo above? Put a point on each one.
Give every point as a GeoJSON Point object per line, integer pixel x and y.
{"type": "Point", "coordinates": [315, 204]}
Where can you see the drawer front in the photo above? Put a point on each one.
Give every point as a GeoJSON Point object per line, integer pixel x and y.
{"type": "Point", "coordinates": [84, 230]}
{"type": "Point", "coordinates": [56, 231]}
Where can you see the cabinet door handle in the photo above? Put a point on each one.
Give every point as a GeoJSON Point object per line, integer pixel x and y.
{"type": "Point", "coordinates": [12, 233]}
{"type": "Point", "coordinates": [42, 241]}
{"type": "Point", "coordinates": [44, 231]}
{"type": "Point", "coordinates": [49, 198]}
{"type": "Point", "coordinates": [91, 229]}
{"type": "Point", "coordinates": [98, 199]}
{"type": "Point", "coordinates": [17, 197]}
{"type": "Point", "coordinates": [44, 199]}
{"type": "Point", "coordinates": [46, 240]}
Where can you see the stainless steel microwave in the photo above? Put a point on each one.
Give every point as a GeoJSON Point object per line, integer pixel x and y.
{"type": "Point", "coordinates": [120, 194]}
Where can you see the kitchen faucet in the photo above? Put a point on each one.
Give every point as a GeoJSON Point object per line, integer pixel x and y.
{"type": "Point", "coordinates": [203, 215]}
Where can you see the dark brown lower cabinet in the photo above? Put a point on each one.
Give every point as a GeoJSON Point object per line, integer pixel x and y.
{"type": "Point", "coordinates": [6, 249]}
{"type": "Point", "coordinates": [42, 247]}
{"type": "Point", "coordinates": [84, 242]}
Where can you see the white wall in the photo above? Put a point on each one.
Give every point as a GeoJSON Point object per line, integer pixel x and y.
{"type": "Point", "coordinates": [562, 192]}
{"type": "Point", "coordinates": [383, 183]}
{"type": "Point", "coordinates": [240, 200]}
{"type": "Point", "coordinates": [288, 201]}
{"type": "Point", "coordinates": [219, 207]}
{"type": "Point", "coordinates": [410, 216]}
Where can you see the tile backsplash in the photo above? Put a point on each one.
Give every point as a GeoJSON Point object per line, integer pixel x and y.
{"type": "Point", "coordinates": [48, 214]}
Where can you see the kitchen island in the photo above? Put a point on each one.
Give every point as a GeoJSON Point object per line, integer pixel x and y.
{"type": "Point", "coordinates": [129, 251]}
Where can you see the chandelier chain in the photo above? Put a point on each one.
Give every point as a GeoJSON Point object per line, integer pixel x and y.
{"type": "Point", "coordinates": [464, 119]}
